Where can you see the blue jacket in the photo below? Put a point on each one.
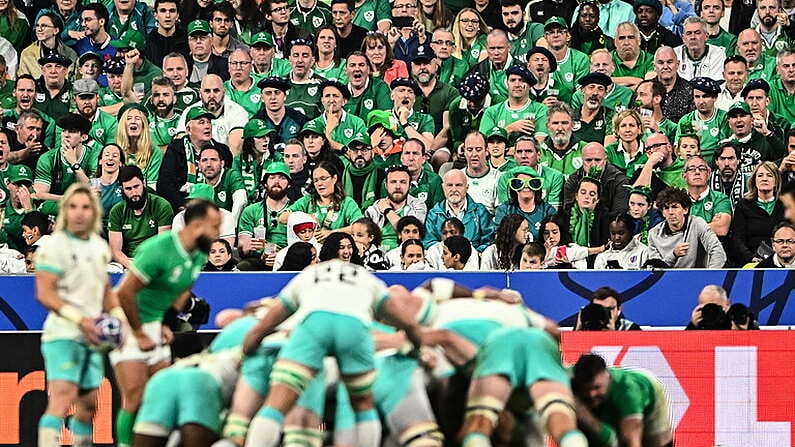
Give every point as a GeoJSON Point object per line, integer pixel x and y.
{"type": "Point", "coordinates": [478, 224]}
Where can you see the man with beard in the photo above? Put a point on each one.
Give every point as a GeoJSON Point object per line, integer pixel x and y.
{"type": "Point", "coordinates": [425, 185]}
{"type": "Point", "coordinates": [71, 161]}
{"type": "Point", "coordinates": [774, 26]}
{"type": "Point", "coordinates": [350, 36]}
{"type": "Point", "coordinates": [29, 148]}
{"type": "Point", "coordinates": [367, 93]}
{"type": "Point", "coordinates": [361, 178]}
{"type": "Point", "coordinates": [727, 178]}
{"type": "Point", "coordinates": [593, 120]}
{"type": "Point", "coordinates": [436, 95]}
{"type": "Point", "coordinates": [735, 72]}
{"type": "Point", "coordinates": [398, 203]}
{"type": "Point", "coordinates": [86, 99]}
{"type": "Point", "coordinates": [652, 34]}
{"type": "Point", "coordinates": [202, 60]}
{"type": "Point", "coordinates": [614, 190]}
{"type": "Point", "coordinates": [782, 89]}
{"type": "Point", "coordinates": [138, 217]}
{"type": "Point", "coordinates": [230, 191]}
{"type": "Point", "coordinates": [478, 223]}
{"type": "Point", "coordinates": [155, 288]}
{"type": "Point", "coordinates": [304, 94]}
{"type": "Point", "coordinates": [241, 88]}
{"type": "Point", "coordinates": [451, 68]}
{"type": "Point", "coordinates": [527, 154]}
{"type": "Point", "coordinates": [712, 206]}
{"type": "Point", "coordinates": [678, 93]}
{"type": "Point", "coordinates": [340, 126]}
{"type": "Point", "coordinates": [754, 147]}
{"type": "Point", "coordinates": [230, 118]}
{"type": "Point", "coordinates": [547, 90]}
{"type": "Point", "coordinates": [617, 96]}
{"type": "Point", "coordinates": [650, 95]}
{"type": "Point", "coordinates": [130, 46]}
{"type": "Point", "coordinates": [699, 58]}
{"type": "Point", "coordinates": [164, 118]}
{"type": "Point", "coordinates": [53, 89]}
{"type": "Point", "coordinates": [94, 19]}
{"type": "Point", "coordinates": [518, 114]}
{"type": "Point", "coordinates": [262, 57]}
{"type": "Point", "coordinates": [572, 64]}
{"type": "Point", "coordinates": [559, 150]}
{"type": "Point", "coordinates": [285, 120]}
{"type": "Point", "coordinates": [296, 160]}
{"type": "Point", "coordinates": [662, 170]}
{"type": "Point", "coordinates": [586, 35]}
{"type": "Point", "coordinates": [493, 67]}
{"type": "Point", "coordinates": [707, 121]}
{"type": "Point", "coordinates": [180, 167]}
{"type": "Point", "coordinates": [756, 93]}
{"type": "Point", "coordinates": [222, 19]}
{"type": "Point", "coordinates": [712, 12]}
{"type": "Point", "coordinates": [413, 124]}
{"type": "Point", "coordinates": [631, 62]}
{"type": "Point", "coordinates": [167, 37]}
{"type": "Point", "coordinates": [263, 217]}
{"type": "Point", "coordinates": [522, 35]}
{"type": "Point", "coordinates": [760, 65]}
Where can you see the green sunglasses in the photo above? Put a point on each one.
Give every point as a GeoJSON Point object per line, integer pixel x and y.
{"type": "Point", "coordinates": [533, 183]}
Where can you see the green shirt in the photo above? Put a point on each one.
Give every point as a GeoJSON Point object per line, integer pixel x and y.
{"type": "Point", "coordinates": [472, 55]}
{"type": "Point", "coordinates": [103, 129]}
{"type": "Point", "coordinates": [462, 121]}
{"type": "Point", "coordinates": [108, 97]}
{"type": "Point", "coordinates": [328, 218]}
{"type": "Point", "coordinates": [145, 74]}
{"type": "Point", "coordinates": [552, 187]}
{"type": "Point", "coordinates": [566, 163]}
{"type": "Point", "coordinates": [781, 102]}
{"type": "Point", "coordinates": [252, 172]}
{"type": "Point", "coordinates": [601, 125]}
{"type": "Point", "coordinates": [520, 45]}
{"type": "Point", "coordinates": [335, 72]}
{"type": "Point", "coordinates": [710, 205]}
{"type": "Point", "coordinates": [618, 98]}
{"type": "Point", "coordinates": [310, 21]}
{"type": "Point", "coordinates": [136, 229]}
{"type": "Point", "coordinates": [452, 70]}
{"type": "Point", "coordinates": [348, 127]}
{"type": "Point", "coordinates": [305, 97]}
{"type": "Point", "coordinates": [370, 12]}
{"type": "Point", "coordinates": [436, 103]}
{"type": "Point", "coordinates": [17, 35]}
{"type": "Point", "coordinates": [643, 65]}
{"type": "Point", "coordinates": [163, 130]}
{"type": "Point", "coordinates": [53, 171]}
{"type": "Point", "coordinates": [630, 393]}
{"type": "Point", "coordinates": [502, 114]}
{"type": "Point", "coordinates": [167, 270]}
{"type": "Point", "coordinates": [574, 66]}
{"type": "Point", "coordinates": [618, 158]}
{"type": "Point", "coordinates": [376, 96]}
{"type": "Point", "coordinates": [152, 169]}
{"type": "Point", "coordinates": [710, 132]}
{"type": "Point", "coordinates": [420, 121]}
{"type": "Point", "coordinates": [49, 126]}
{"type": "Point", "coordinates": [254, 215]}
{"type": "Point", "coordinates": [186, 97]}
{"type": "Point", "coordinates": [726, 40]}
{"type": "Point", "coordinates": [427, 188]}
{"type": "Point", "coordinates": [672, 175]}
{"type": "Point", "coordinates": [229, 182]}
{"type": "Point", "coordinates": [248, 99]}
{"type": "Point", "coordinates": [54, 106]}
{"type": "Point", "coordinates": [279, 67]}
{"type": "Point", "coordinates": [765, 68]}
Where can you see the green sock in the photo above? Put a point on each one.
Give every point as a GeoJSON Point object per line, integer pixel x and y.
{"type": "Point", "coordinates": [124, 427]}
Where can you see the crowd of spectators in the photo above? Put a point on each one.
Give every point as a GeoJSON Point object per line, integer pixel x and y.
{"type": "Point", "coordinates": [408, 135]}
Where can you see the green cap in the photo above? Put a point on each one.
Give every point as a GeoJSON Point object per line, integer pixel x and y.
{"type": "Point", "coordinates": [130, 39]}
{"type": "Point", "coordinates": [20, 173]}
{"type": "Point", "coordinates": [202, 191]}
{"type": "Point", "coordinates": [382, 118]}
{"type": "Point", "coordinates": [498, 132]}
{"type": "Point", "coordinates": [555, 21]}
{"type": "Point", "coordinates": [198, 112]}
{"type": "Point", "coordinates": [257, 128]}
{"type": "Point", "coordinates": [740, 105]}
{"type": "Point", "coordinates": [199, 26]}
{"type": "Point", "coordinates": [278, 167]}
{"type": "Point", "coordinates": [262, 38]}
{"type": "Point", "coordinates": [360, 137]}
{"type": "Point", "coordinates": [313, 126]}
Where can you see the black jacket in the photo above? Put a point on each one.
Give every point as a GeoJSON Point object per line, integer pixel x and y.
{"type": "Point", "coordinates": [751, 225]}
{"type": "Point", "coordinates": [614, 195]}
{"type": "Point", "coordinates": [661, 37]}
{"type": "Point", "coordinates": [174, 171]}
{"type": "Point", "coordinates": [158, 46]}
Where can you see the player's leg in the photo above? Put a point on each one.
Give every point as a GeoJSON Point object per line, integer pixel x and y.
{"type": "Point", "coordinates": [61, 394]}
{"type": "Point", "coordinates": [196, 435]}
{"type": "Point", "coordinates": [486, 400]}
{"type": "Point", "coordinates": [245, 403]}
{"type": "Point", "coordinates": [411, 420]}
{"type": "Point", "coordinates": [355, 353]}
{"type": "Point", "coordinates": [344, 418]}
{"type": "Point", "coordinates": [368, 425]}
{"type": "Point", "coordinates": [81, 422]}
{"type": "Point", "coordinates": [554, 403]}
{"type": "Point", "coordinates": [302, 425]}
{"type": "Point", "coordinates": [131, 376]}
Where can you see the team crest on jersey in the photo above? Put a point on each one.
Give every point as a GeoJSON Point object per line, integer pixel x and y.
{"type": "Point", "coordinates": [186, 99]}
{"type": "Point", "coordinates": [599, 124]}
{"type": "Point", "coordinates": [369, 16]}
{"type": "Point", "coordinates": [368, 103]}
{"type": "Point", "coordinates": [293, 129]}
{"type": "Point", "coordinates": [255, 97]}
{"type": "Point", "coordinates": [151, 223]}
{"type": "Point", "coordinates": [317, 21]}
{"type": "Point", "coordinates": [423, 196]}
{"type": "Point", "coordinates": [780, 45]}
{"type": "Point", "coordinates": [569, 76]}
{"type": "Point", "coordinates": [348, 133]}
{"type": "Point", "coordinates": [577, 125]}
{"type": "Point", "coordinates": [294, 21]}
{"type": "Point", "coordinates": [312, 91]}
{"type": "Point", "coordinates": [475, 53]}
{"type": "Point", "coordinates": [707, 206]}
{"type": "Point", "coordinates": [222, 196]}
{"type": "Point", "coordinates": [172, 131]}
{"type": "Point", "coordinates": [714, 131]}
{"type": "Point", "coordinates": [65, 97]}
{"type": "Point", "coordinates": [134, 26]}
{"type": "Point", "coordinates": [100, 132]}
{"type": "Point", "coordinates": [576, 162]}
{"type": "Point", "coordinates": [40, 97]}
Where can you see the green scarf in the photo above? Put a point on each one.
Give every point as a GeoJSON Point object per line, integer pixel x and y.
{"type": "Point", "coordinates": [370, 182]}
{"type": "Point", "coordinates": [645, 223]}
{"type": "Point", "coordinates": [580, 224]}
{"type": "Point", "coordinates": [194, 175]}
{"type": "Point", "coordinates": [252, 173]}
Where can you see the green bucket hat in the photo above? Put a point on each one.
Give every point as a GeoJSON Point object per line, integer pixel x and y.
{"type": "Point", "coordinates": [257, 128]}
{"type": "Point", "coordinates": [202, 191]}
{"type": "Point", "coordinates": [278, 167]}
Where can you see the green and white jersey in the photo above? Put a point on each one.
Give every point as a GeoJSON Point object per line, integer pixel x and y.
{"type": "Point", "coordinates": [472, 55]}
{"type": "Point", "coordinates": [574, 66]}
{"type": "Point", "coordinates": [136, 229]}
{"type": "Point", "coordinates": [336, 287]}
{"type": "Point", "coordinates": [108, 97]}
{"type": "Point", "coordinates": [80, 265]}
{"type": "Point", "coordinates": [279, 67]}
{"type": "Point", "coordinates": [163, 130]}
{"type": "Point", "coordinates": [710, 131]}
{"type": "Point", "coordinates": [618, 98]}
{"type": "Point", "coordinates": [726, 40]}
{"type": "Point", "coordinates": [643, 65]}
{"type": "Point", "coordinates": [348, 127]}
{"type": "Point", "coordinates": [420, 121]}
{"type": "Point", "coordinates": [334, 72]}
{"type": "Point", "coordinates": [152, 169]}
{"type": "Point", "coordinates": [781, 102]}
{"type": "Point", "coordinates": [5, 173]}
{"type": "Point", "coordinates": [452, 70]}
{"type": "Point", "coordinates": [228, 183]}
{"type": "Point", "coordinates": [305, 96]}
{"type": "Point", "coordinates": [765, 68]}
{"type": "Point", "coordinates": [103, 129]}
{"type": "Point", "coordinates": [710, 204]}
{"type": "Point", "coordinates": [567, 163]}
{"type": "Point", "coordinates": [502, 114]}
{"type": "Point", "coordinates": [370, 12]}
{"type": "Point", "coordinates": [376, 96]}
{"type": "Point", "coordinates": [520, 45]}
{"type": "Point", "coordinates": [55, 172]}
{"type": "Point", "coordinates": [629, 394]}
{"type": "Point", "coordinates": [248, 99]}
{"type": "Point", "coordinates": [167, 270]}
{"type": "Point", "coordinates": [327, 217]}
{"type": "Point", "coordinates": [255, 215]}
{"type": "Point", "coordinates": [185, 97]}
{"type": "Point", "coordinates": [310, 21]}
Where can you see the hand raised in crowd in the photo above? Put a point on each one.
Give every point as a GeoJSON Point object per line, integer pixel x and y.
{"type": "Point", "coordinates": [419, 29]}
{"type": "Point", "coordinates": [403, 115]}
{"type": "Point", "coordinates": [392, 36]}
{"type": "Point", "coordinates": [321, 235]}
{"type": "Point", "coordinates": [760, 124]}
{"type": "Point", "coordinates": [69, 153]}
{"type": "Point", "coordinates": [526, 126]}
{"type": "Point", "coordinates": [550, 100]}
{"type": "Point", "coordinates": [787, 163]}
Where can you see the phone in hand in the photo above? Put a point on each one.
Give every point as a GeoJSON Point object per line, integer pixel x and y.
{"type": "Point", "coordinates": [402, 22]}
{"type": "Point", "coordinates": [561, 252]}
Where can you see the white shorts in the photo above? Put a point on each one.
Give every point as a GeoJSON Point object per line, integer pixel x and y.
{"type": "Point", "coordinates": [129, 350]}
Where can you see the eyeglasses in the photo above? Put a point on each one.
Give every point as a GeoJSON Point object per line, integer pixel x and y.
{"type": "Point", "coordinates": [518, 184]}
{"type": "Point", "coordinates": [469, 20]}
{"type": "Point", "coordinates": [280, 9]}
{"type": "Point", "coordinates": [449, 43]}
{"type": "Point", "coordinates": [697, 169]}
{"type": "Point", "coordinates": [784, 241]}
{"type": "Point", "coordinates": [655, 146]}
{"type": "Point", "coordinates": [325, 178]}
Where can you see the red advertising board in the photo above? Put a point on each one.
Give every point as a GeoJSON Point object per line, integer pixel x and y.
{"type": "Point", "coordinates": [730, 389]}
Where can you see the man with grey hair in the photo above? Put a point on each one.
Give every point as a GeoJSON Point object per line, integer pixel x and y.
{"type": "Point", "coordinates": [230, 118]}
{"type": "Point", "coordinates": [614, 192]}
{"type": "Point", "coordinates": [782, 89]}
{"type": "Point", "coordinates": [678, 92]}
{"type": "Point", "coordinates": [710, 294]}
{"type": "Point", "coordinates": [632, 63]}
{"type": "Point", "coordinates": [240, 87]}
{"type": "Point", "coordinates": [699, 58]}
{"type": "Point", "coordinates": [760, 65]}
{"type": "Point", "coordinates": [493, 67]}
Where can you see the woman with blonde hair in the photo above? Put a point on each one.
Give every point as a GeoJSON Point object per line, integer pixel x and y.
{"type": "Point", "coordinates": [626, 152]}
{"type": "Point", "coordinates": [469, 33]}
{"type": "Point", "coordinates": [756, 214]}
{"type": "Point", "coordinates": [133, 136]}
{"type": "Point", "coordinates": [382, 60]}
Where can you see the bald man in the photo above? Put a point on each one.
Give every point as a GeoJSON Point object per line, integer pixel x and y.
{"type": "Point", "coordinates": [230, 118]}
{"type": "Point", "coordinates": [614, 195]}
{"type": "Point", "coordinates": [760, 65]}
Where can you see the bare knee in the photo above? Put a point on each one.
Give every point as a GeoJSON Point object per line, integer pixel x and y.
{"type": "Point", "coordinates": [86, 407]}
{"type": "Point", "coordinates": [61, 397]}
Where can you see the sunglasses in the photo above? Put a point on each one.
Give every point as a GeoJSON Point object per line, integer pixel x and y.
{"type": "Point", "coordinates": [518, 184]}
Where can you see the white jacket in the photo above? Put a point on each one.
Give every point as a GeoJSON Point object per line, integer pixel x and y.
{"type": "Point", "coordinates": [632, 257]}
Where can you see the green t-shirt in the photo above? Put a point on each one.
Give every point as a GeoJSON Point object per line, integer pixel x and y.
{"type": "Point", "coordinates": [710, 132]}
{"type": "Point", "coordinates": [305, 97]}
{"type": "Point", "coordinates": [136, 229]}
{"type": "Point", "coordinates": [103, 129]}
{"type": "Point", "coordinates": [254, 215]}
{"type": "Point", "coordinates": [643, 65]}
{"type": "Point", "coordinates": [765, 68]}
{"type": "Point", "coordinates": [630, 393]}
{"type": "Point", "coordinates": [167, 270]}
{"type": "Point", "coordinates": [328, 218]}
{"type": "Point", "coordinates": [348, 127]}
{"type": "Point", "coordinates": [248, 99]}
{"type": "Point", "coordinates": [370, 12]}
{"type": "Point", "coordinates": [436, 103]}
{"type": "Point", "coordinates": [55, 106]}
{"type": "Point", "coordinates": [501, 115]}
{"type": "Point", "coordinates": [145, 74]}
{"type": "Point", "coordinates": [108, 97]}
{"type": "Point", "coordinates": [310, 21]}
{"type": "Point", "coordinates": [715, 202]}
{"type": "Point", "coordinates": [472, 55]}
{"type": "Point", "coordinates": [566, 163]}
{"type": "Point", "coordinates": [335, 72]}
{"type": "Point", "coordinates": [152, 169]}
{"type": "Point", "coordinates": [279, 67]}
{"type": "Point", "coordinates": [229, 183]}
{"type": "Point", "coordinates": [186, 97]}
{"type": "Point", "coordinates": [781, 102]}
{"type": "Point", "coordinates": [420, 121]}
{"type": "Point", "coordinates": [452, 70]}
{"type": "Point", "coordinates": [522, 44]}
{"type": "Point", "coordinates": [54, 171]}
{"type": "Point", "coordinates": [376, 96]}
{"type": "Point", "coordinates": [601, 125]}
{"type": "Point", "coordinates": [672, 174]}
{"type": "Point", "coordinates": [574, 66]}
{"type": "Point", "coordinates": [428, 188]}
{"type": "Point", "coordinates": [163, 130]}
{"type": "Point", "coordinates": [726, 40]}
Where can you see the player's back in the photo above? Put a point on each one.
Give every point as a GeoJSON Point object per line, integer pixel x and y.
{"type": "Point", "coordinates": [476, 319]}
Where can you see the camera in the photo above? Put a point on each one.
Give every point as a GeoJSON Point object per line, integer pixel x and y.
{"type": "Point", "coordinates": [713, 318]}
{"type": "Point", "coordinates": [594, 317]}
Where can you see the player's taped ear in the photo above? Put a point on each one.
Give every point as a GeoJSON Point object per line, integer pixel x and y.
{"type": "Point", "coordinates": [291, 375]}
{"type": "Point", "coordinates": [485, 406]}
{"type": "Point", "coordinates": [551, 403]}
{"type": "Point", "coordinates": [360, 385]}
{"type": "Point", "coordinates": [425, 434]}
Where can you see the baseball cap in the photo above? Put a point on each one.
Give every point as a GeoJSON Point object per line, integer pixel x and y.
{"type": "Point", "coordinates": [555, 22]}
{"type": "Point", "coordinates": [739, 106]}
{"type": "Point", "coordinates": [424, 53]}
{"type": "Point", "coordinates": [360, 137]}
{"type": "Point", "coordinates": [130, 39]}
{"type": "Point", "coordinates": [278, 167]}
{"type": "Point", "coordinates": [497, 133]}
{"type": "Point", "coordinates": [198, 112]}
{"type": "Point", "coordinates": [90, 55]}
{"type": "Point", "coordinates": [55, 58]}
{"type": "Point", "coordinates": [313, 126]}
{"type": "Point", "coordinates": [20, 173]}
{"type": "Point", "coordinates": [202, 191]}
{"type": "Point", "coordinates": [262, 38]}
{"type": "Point", "coordinates": [199, 26]}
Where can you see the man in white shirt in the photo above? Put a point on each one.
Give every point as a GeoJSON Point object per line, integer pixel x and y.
{"type": "Point", "coordinates": [699, 58]}
{"type": "Point", "coordinates": [230, 118]}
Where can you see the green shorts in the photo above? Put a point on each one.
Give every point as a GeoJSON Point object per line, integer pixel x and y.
{"type": "Point", "coordinates": [175, 397]}
{"type": "Point", "coordinates": [523, 355]}
{"type": "Point", "coordinates": [73, 361]}
{"type": "Point", "coordinates": [324, 334]}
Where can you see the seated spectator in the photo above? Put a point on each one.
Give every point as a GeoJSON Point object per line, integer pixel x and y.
{"type": "Point", "coordinates": [408, 227]}
{"type": "Point", "coordinates": [456, 251]}
{"type": "Point", "coordinates": [627, 152]}
{"type": "Point", "coordinates": [756, 215]}
{"type": "Point", "coordinates": [299, 256]}
{"type": "Point", "coordinates": [481, 178]}
{"type": "Point", "coordinates": [412, 256]}
{"type": "Point", "coordinates": [712, 206]}
{"type": "Point", "coordinates": [525, 199]}
{"type": "Point", "coordinates": [512, 233]}
{"type": "Point", "coordinates": [368, 242]}
{"type": "Point", "coordinates": [611, 300]}
{"type": "Point", "coordinates": [47, 32]}
{"type": "Point", "coordinates": [382, 59]}
{"type": "Point", "coordinates": [20, 202]}
{"type": "Point", "coordinates": [560, 251]}
{"type": "Point", "coordinates": [783, 248]}
{"type": "Point", "coordinates": [71, 161]}
{"type": "Point", "coordinates": [641, 209]}
{"type": "Point", "coordinates": [361, 178]}
{"type": "Point", "coordinates": [497, 148]}
{"type": "Point", "coordinates": [624, 250]}
{"type": "Point", "coordinates": [205, 192]}
{"type": "Point", "coordinates": [11, 261]}
{"type": "Point", "coordinates": [106, 180]}
{"type": "Point", "coordinates": [228, 118]}
{"type": "Point", "coordinates": [683, 241]}
{"type": "Point", "coordinates": [433, 254]}
{"type": "Point", "coordinates": [727, 177]}
{"type": "Point", "coordinates": [36, 228]}
{"type": "Point", "coordinates": [612, 192]}
{"type": "Point", "coordinates": [220, 258]}
{"type": "Point", "coordinates": [141, 215]}
{"type": "Point", "coordinates": [300, 228]}
{"type": "Point", "coordinates": [340, 246]}
{"type": "Point", "coordinates": [135, 139]}
{"type": "Point", "coordinates": [387, 212]}
{"type": "Point", "coordinates": [662, 169]}
{"type": "Point", "coordinates": [588, 220]}
{"type": "Point", "coordinates": [256, 154]}
{"type": "Point", "coordinates": [230, 191]}
{"type": "Point", "coordinates": [593, 317]}
{"type": "Point", "coordinates": [532, 256]}
{"type": "Point", "coordinates": [689, 145]}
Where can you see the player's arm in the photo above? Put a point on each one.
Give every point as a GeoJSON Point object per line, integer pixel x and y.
{"type": "Point", "coordinates": [266, 326]}
{"type": "Point", "coordinates": [47, 295]}
{"type": "Point", "coordinates": [399, 309]}
{"type": "Point", "coordinates": [630, 432]}
{"type": "Point", "coordinates": [457, 349]}
{"type": "Point", "coordinates": [110, 303]}
{"type": "Point", "coordinates": [116, 242]}
{"type": "Point", "coordinates": [129, 287]}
